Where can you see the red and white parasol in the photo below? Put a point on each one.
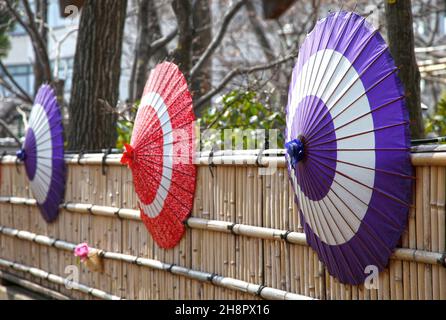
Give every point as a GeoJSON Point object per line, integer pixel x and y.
{"type": "Point", "coordinates": [160, 154]}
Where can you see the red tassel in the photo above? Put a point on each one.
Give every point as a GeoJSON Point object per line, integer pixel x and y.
{"type": "Point", "coordinates": [128, 155]}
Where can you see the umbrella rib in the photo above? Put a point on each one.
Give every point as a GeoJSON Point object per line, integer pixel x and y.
{"type": "Point", "coordinates": [51, 126]}
{"type": "Point", "coordinates": [49, 102]}
{"type": "Point", "coordinates": [307, 204]}
{"type": "Point", "coordinates": [40, 124]}
{"type": "Point", "coordinates": [404, 176]}
{"type": "Point", "coordinates": [355, 119]}
{"type": "Point", "coordinates": [312, 135]}
{"type": "Point", "coordinates": [315, 124]}
{"type": "Point", "coordinates": [358, 134]}
{"type": "Point", "coordinates": [305, 118]}
{"type": "Point", "coordinates": [366, 42]}
{"type": "Point", "coordinates": [386, 217]}
{"type": "Point", "coordinates": [162, 137]}
{"type": "Point", "coordinates": [310, 187]}
{"type": "Point", "coordinates": [364, 149]}
{"type": "Point", "coordinates": [171, 180]}
{"type": "Point", "coordinates": [145, 143]}
{"type": "Point", "coordinates": [347, 223]}
{"type": "Point", "coordinates": [353, 212]}
{"type": "Point", "coordinates": [360, 183]}
{"type": "Point", "coordinates": [308, 81]}
{"type": "Point", "coordinates": [154, 81]}
{"type": "Point", "coordinates": [170, 168]}
{"type": "Point", "coordinates": [159, 83]}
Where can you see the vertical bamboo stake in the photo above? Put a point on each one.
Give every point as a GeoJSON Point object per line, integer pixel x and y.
{"type": "Point", "coordinates": [434, 230]}
{"type": "Point", "coordinates": [427, 231]}
{"type": "Point", "coordinates": [441, 226]}
{"type": "Point", "coordinates": [420, 229]}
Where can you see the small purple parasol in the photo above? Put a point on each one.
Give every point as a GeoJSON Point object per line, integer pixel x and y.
{"type": "Point", "coordinates": [43, 153]}
{"type": "Point", "coordinates": [348, 146]}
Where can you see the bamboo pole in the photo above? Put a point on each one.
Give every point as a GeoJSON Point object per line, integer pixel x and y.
{"type": "Point", "coordinates": [221, 281]}
{"type": "Point", "coordinates": [32, 286]}
{"type": "Point", "coordinates": [405, 254]}
{"type": "Point", "coordinates": [419, 156]}
{"type": "Point", "coordinates": [42, 274]}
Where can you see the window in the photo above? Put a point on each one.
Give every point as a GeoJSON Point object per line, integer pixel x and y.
{"type": "Point", "coordinates": [23, 75]}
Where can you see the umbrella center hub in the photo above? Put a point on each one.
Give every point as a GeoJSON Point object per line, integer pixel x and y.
{"type": "Point", "coordinates": [21, 155]}
{"type": "Point", "coordinates": [296, 151]}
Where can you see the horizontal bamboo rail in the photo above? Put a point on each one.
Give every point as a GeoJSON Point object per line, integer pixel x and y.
{"type": "Point", "coordinates": [214, 279]}
{"type": "Point", "coordinates": [42, 274]}
{"type": "Point", "coordinates": [403, 254]}
{"type": "Point", "coordinates": [421, 156]}
{"type": "Point", "coordinates": [31, 286]}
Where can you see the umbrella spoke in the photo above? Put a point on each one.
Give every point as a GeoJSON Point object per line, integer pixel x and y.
{"type": "Point", "coordinates": [358, 134]}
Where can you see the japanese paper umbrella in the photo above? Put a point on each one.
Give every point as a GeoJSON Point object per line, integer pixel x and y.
{"type": "Point", "coordinates": [347, 140]}
{"type": "Point", "coordinates": [43, 153]}
{"type": "Point", "coordinates": [160, 155]}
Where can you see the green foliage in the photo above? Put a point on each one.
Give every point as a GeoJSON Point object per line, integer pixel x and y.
{"type": "Point", "coordinates": [243, 112]}
{"type": "Point", "coordinates": [124, 128]}
{"type": "Point", "coordinates": [436, 123]}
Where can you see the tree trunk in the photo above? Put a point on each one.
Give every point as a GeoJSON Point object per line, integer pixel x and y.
{"type": "Point", "coordinates": [42, 17]}
{"type": "Point", "coordinates": [182, 55]}
{"type": "Point", "coordinates": [96, 74]}
{"type": "Point", "coordinates": [148, 31]}
{"type": "Point", "coordinates": [202, 25]}
{"type": "Point", "coordinates": [401, 42]}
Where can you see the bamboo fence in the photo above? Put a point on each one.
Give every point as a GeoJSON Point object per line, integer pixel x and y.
{"type": "Point", "coordinates": [244, 239]}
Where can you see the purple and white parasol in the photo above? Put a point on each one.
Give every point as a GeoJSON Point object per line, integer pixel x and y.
{"type": "Point", "coordinates": [347, 140]}
{"type": "Point", "coordinates": [43, 153]}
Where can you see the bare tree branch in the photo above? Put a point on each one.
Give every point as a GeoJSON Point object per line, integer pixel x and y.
{"type": "Point", "coordinates": [160, 43]}
{"type": "Point", "coordinates": [258, 31]}
{"type": "Point", "coordinates": [23, 95]}
{"type": "Point", "coordinates": [218, 38]}
{"type": "Point", "coordinates": [31, 30]}
{"type": "Point", "coordinates": [9, 131]}
{"type": "Point", "coordinates": [240, 71]}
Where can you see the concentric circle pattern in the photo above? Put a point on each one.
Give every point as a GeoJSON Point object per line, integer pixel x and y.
{"type": "Point", "coordinates": [353, 185]}
{"type": "Point", "coordinates": [162, 152]}
{"type": "Point", "coordinates": [44, 150]}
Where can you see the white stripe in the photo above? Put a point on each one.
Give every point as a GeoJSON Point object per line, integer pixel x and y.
{"type": "Point", "coordinates": [39, 123]}
{"type": "Point", "coordinates": [154, 209]}
{"type": "Point", "coordinates": [334, 62]}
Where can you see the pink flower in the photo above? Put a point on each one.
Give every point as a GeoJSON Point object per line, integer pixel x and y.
{"type": "Point", "coordinates": [82, 251]}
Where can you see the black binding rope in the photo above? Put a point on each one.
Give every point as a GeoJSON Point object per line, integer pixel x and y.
{"type": "Point", "coordinates": [118, 213]}
{"type": "Point", "coordinates": [284, 236]}
{"type": "Point", "coordinates": [260, 157]}
{"type": "Point", "coordinates": [170, 268]}
{"type": "Point", "coordinates": [231, 228]}
{"type": "Point", "coordinates": [81, 154]}
{"type": "Point", "coordinates": [211, 277]}
{"type": "Point", "coordinates": [442, 260]}
{"type": "Point", "coordinates": [104, 161]}
{"type": "Point", "coordinates": [259, 291]}
{"type": "Point", "coordinates": [211, 162]}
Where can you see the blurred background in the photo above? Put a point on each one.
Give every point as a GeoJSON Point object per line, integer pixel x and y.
{"type": "Point", "coordinates": [236, 55]}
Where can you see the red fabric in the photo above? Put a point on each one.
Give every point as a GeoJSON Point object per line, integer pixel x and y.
{"type": "Point", "coordinates": [146, 159]}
